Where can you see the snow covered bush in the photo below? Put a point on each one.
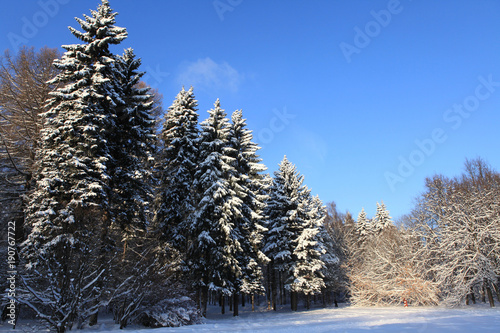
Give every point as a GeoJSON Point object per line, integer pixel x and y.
{"type": "Point", "coordinates": [170, 312]}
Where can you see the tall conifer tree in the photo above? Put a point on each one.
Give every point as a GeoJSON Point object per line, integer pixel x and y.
{"type": "Point", "coordinates": [69, 211]}
{"type": "Point", "coordinates": [178, 163]}
{"type": "Point", "coordinates": [215, 241]}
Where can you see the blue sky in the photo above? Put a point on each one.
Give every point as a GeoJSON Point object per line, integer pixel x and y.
{"type": "Point", "coordinates": [367, 98]}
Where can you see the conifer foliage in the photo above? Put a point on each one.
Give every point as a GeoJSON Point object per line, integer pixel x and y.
{"type": "Point", "coordinates": [178, 161]}
{"type": "Point", "coordinates": [79, 166]}
{"type": "Point", "coordinates": [292, 241]}
{"type": "Point", "coordinates": [216, 241]}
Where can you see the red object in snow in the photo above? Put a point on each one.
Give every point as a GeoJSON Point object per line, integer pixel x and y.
{"type": "Point", "coordinates": [405, 302]}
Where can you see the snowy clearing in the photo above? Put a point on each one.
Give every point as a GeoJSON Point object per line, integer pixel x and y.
{"type": "Point", "coordinates": [344, 319]}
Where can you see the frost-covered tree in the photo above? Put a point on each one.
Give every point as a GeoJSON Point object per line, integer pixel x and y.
{"type": "Point", "coordinates": [69, 211]}
{"type": "Point", "coordinates": [388, 273]}
{"type": "Point", "coordinates": [305, 273]}
{"type": "Point", "coordinates": [363, 226]}
{"type": "Point", "coordinates": [132, 145]}
{"type": "Point", "coordinates": [215, 241]}
{"type": "Point", "coordinates": [381, 220]}
{"type": "Point", "coordinates": [252, 190]}
{"type": "Point", "coordinates": [282, 224]}
{"type": "Point", "coordinates": [458, 222]}
{"type": "Point", "coordinates": [177, 165]}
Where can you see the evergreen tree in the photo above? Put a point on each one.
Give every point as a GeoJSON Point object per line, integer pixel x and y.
{"type": "Point", "coordinates": [178, 158]}
{"type": "Point", "coordinates": [305, 273]}
{"type": "Point", "coordinates": [250, 180]}
{"type": "Point", "coordinates": [381, 220]}
{"type": "Point", "coordinates": [283, 224]}
{"type": "Point", "coordinates": [215, 241]}
{"type": "Point", "coordinates": [69, 211]}
{"type": "Point", "coordinates": [363, 227]}
{"type": "Point", "coordinates": [132, 147]}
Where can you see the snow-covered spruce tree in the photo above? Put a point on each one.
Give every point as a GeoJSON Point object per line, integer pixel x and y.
{"type": "Point", "coordinates": [177, 165]}
{"type": "Point", "coordinates": [363, 227]}
{"type": "Point", "coordinates": [283, 226]}
{"type": "Point", "coordinates": [338, 234]}
{"type": "Point", "coordinates": [69, 211]}
{"type": "Point", "coordinates": [215, 241]}
{"type": "Point", "coordinates": [305, 272]}
{"type": "Point", "coordinates": [381, 220]}
{"type": "Point", "coordinates": [132, 144]}
{"type": "Point", "coordinates": [252, 191]}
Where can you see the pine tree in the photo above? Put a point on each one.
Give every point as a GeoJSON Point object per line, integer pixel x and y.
{"type": "Point", "coordinates": [178, 155]}
{"type": "Point", "coordinates": [381, 220]}
{"type": "Point", "coordinates": [250, 181]}
{"type": "Point", "coordinates": [215, 241]}
{"type": "Point", "coordinates": [69, 211]}
{"type": "Point", "coordinates": [132, 147]}
{"type": "Point", "coordinates": [363, 227]}
{"type": "Point", "coordinates": [283, 224]}
{"type": "Point", "coordinates": [305, 273]}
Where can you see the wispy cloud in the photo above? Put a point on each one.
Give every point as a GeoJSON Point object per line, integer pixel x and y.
{"type": "Point", "coordinates": [208, 74]}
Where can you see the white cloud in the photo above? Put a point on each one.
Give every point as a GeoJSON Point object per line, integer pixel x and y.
{"type": "Point", "coordinates": [207, 74]}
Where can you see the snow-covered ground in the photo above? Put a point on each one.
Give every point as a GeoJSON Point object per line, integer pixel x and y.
{"type": "Point", "coordinates": [344, 319]}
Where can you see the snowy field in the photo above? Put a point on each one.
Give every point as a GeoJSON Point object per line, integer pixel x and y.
{"type": "Point", "coordinates": [344, 319]}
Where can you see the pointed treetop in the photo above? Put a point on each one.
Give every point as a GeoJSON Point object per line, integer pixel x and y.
{"type": "Point", "coordinates": [99, 28]}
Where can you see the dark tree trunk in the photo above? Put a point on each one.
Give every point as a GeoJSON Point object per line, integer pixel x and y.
{"type": "Point", "coordinates": [236, 302]}
{"type": "Point", "coordinates": [253, 302]}
{"type": "Point", "coordinates": [488, 292]}
{"type": "Point", "coordinates": [222, 304]}
{"type": "Point", "coordinates": [472, 296]}
{"type": "Point", "coordinates": [243, 300]}
{"type": "Point", "coordinates": [497, 291]}
{"type": "Point", "coordinates": [335, 300]}
{"type": "Point", "coordinates": [204, 301]}
{"type": "Point", "coordinates": [293, 300]}
{"type": "Point", "coordinates": [273, 286]}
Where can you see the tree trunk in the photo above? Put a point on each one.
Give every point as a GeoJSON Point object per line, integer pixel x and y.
{"type": "Point", "coordinates": [488, 291]}
{"type": "Point", "coordinates": [280, 281]}
{"type": "Point", "coordinates": [230, 299]}
{"type": "Point", "coordinates": [308, 301]}
{"type": "Point", "coordinates": [472, 296]}
{"type": "Point", "coordinates": [497, 291]}
{"type": "Point", "coordinates": [483, 294]}
{"type": "Point", "coordinates": [204, 300]}
{"type": "Point", "coordinates": [222, 304]}
{"type": "Point", "coordinates": [293, 300]}
{"type": "Point", "coordinates": [273, 286]}
{"type": "Point", "coordinates": [236, 302]}
{"type": "Point", "coordinates": [243, 300]}
{"type": "Point", "coordinates": [335, 299]}
{"type": "Point", "coordinates": [253, 302]}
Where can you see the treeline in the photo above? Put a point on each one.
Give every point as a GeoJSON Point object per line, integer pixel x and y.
{"type": "Point", "coordinates": [446, 251]}
{"type": "Point", "coordinates": [114, 213]}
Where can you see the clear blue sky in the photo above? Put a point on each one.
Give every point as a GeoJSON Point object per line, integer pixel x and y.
{"type": "Point", "coordinates": [344, 88]}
